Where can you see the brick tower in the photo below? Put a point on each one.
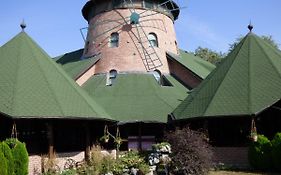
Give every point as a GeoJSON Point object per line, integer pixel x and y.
{"type": "Point", "coordinates": [130, 35]}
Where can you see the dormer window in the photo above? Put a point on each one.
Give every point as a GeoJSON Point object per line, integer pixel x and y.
{"type": "Point", "coordinates": [111, 76]}
{"type": "Point", "coordinates": [153, 41]}
{"type": "Point", "coordinates": [157, 76]}
{"type": "Point", "coordinates": [114, 40]}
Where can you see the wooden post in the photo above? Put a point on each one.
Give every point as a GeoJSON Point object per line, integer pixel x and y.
{"type": "Point", "coordinates": [50, 136]}
{"type": "Point", "coordinates": [87, 143]}
{"type": "Point", "coordinates": [139, 137]}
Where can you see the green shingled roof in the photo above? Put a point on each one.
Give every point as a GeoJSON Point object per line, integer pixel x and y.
{"type": "Point", "coordinates": [197, 65]}
{"type": "Point", "coordinates": [74, 64]}
{"type": "Point", "coordinates": [136, 97]}
{"type": "Point", "coordinates": [245, 83]}
{"type": "Point", "coordinates": [33, 85]}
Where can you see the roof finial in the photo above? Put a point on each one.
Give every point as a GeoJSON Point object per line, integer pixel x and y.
{"type": "Point", "coordinates": [23, 25]}
{"type": "Point", "coordinates": [250, 26]}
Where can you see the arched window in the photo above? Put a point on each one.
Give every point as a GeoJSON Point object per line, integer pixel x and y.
{"type": "Point", "coordinates": [114, 40]}
{"type": "Point", "coordinates": [157, 76]}
{"type": "Point", "coordinates": [152, 38]}
{"type": "Point", "coordinates": [111, 76]}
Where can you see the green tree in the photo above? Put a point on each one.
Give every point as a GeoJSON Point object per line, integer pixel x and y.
{"type": "Point", "coordinates": [3, 164]}
{"type": "Point", "coordinates": [20, 159]}
{"type": "Point", "coordinates": [267, 39]}
{"type": "Point", "coordinates": [7, 152]}
{"type": "Point", "coordinates": [209, 55]}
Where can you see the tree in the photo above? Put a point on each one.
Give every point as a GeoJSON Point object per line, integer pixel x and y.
{"type": "Point", "coordinates": [7, 152]}
{"type": "Point", "coordinates": [267, 39]}
{"type": "Point", "coordinates": [191, 152]}
{"type": "Point", "coordinates": [209, 55]}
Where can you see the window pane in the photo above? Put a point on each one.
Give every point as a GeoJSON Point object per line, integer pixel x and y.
{"type": "Point", "coordinates": [152, 38]}
{"type": "Point", "coordinates": [114, 40]}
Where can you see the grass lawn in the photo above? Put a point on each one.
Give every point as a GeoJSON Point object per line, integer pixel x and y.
{"type": "Point", "coordinates": [238, 173]}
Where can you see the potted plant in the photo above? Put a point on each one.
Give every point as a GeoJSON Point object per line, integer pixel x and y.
{"type": "Point", "coordinates": [105, 137]}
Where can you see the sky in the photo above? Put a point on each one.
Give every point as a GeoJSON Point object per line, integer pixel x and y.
{"type": "Point", "coordinates": [55, 24]}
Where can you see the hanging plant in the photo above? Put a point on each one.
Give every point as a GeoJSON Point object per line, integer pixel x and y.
{"type": "Point", "coordinates": [253, 134]}
{"type": "Point", "coordinates": [105, 137]}
{"type": "Point", "coordinates": [118, 140]}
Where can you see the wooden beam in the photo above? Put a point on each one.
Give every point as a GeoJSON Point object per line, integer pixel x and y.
{"type": "Point", "coordinates": [50, 137]}
{"type": "Point", "coordinates": [87, 143]}
{"type": "Point", "coordinates": [139, 137]}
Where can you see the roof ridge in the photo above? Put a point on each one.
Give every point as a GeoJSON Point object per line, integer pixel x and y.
{"type": "Point", "coordinates": [41, 70]}
{"type": "Point", "coordinates": [214, 94]}
{"type": "Point", "coordinates": [81, 92]}
{"type": "Point", "coordinates": [17, 75]}
{"type": "Point", "coordinates": [249, 73]}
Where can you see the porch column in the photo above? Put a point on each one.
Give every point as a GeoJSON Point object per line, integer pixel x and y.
{"type": "Point", "coordinates": [87, 143]}
{"type": "Point", "coordinates": [139, 137]}
{"type": "Point", "coordinates": [50, 136]}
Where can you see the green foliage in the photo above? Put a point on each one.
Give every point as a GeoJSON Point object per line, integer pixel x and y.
{"type": "Point", "coordinates": [209, 55]}
{"type": "Point", "coordinates": [107, 164]}
{"type": "Point", "coordinates": [7, 152]}
{"type": "Point", "coordinates": [11, 142]}
{"type": "Point", "coordinates": [260, 154]}
{"type": "Point", "coordinates": [158, 146]}
{"type": "Point", "coordinates": [130, 160]}
{"type": "Point", "coordinates": [20, 158]}
{"type": "Point", "coordinates": [3, 164]}
{"type": "Point", "coordinates": [69, 172]}
{"type": "Point", "coordinates": [276, 151]}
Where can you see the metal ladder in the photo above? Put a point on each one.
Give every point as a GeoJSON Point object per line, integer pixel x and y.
{"type": "Point", "coordinates": [149, 56]}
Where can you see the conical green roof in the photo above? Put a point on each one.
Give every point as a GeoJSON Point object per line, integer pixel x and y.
{"type": "Point", "coordinates": [247, 82]}
{"type": "Point", "coordinates": [32, 85]}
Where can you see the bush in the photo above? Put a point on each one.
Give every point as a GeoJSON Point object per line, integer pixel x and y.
{"type": "Point", "coordinates": [276, 151]}
{"type": "Point", "coordinates": [20, 158]}
{"type": "Point", "coordinates": [260, 154]}
{"type": "Point", "coordinates": [3, 164]}
{"type": "Point", "coordinates": [130, 160]}
{"type": "Point", "coordinates": [6, 150]}
{"type": "Point", "coordinates": [191, 153]}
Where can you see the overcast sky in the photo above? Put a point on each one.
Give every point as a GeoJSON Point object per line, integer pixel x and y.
{"type": "Point", "coordinates": [55, 24]}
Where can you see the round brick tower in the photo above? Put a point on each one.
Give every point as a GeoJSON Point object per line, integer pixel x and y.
{"type": "Point", "coordinates": [130, 35]}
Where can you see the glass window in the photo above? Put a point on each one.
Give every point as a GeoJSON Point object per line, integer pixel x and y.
{"type": "Point", "coordinates": [157, 76]}
{"type": "Point", "coordinates": [111, 76]}
{"type": "Point", "coordinates": [114, 40]}
{"type": "Point", "coordinates": [148, 4]}
{"type": "Point", "coordinates": [152, 38]}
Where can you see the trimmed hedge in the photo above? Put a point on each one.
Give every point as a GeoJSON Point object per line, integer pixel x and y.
{"type": "Point", "coordinates": [20, 155]}
{"type": "Point", "coordinates": [3, 164]}
{"type": "Point", "coordinates": [260, 154]}
{"type": "Point", "coordinates": [7, 152]}
{"type": "Point", "coordinates": [276, 152]}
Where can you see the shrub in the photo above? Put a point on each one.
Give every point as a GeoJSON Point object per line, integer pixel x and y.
{"type": "Point", "coordinates": [276, 151]}
{"type": "Point", "coordinates": [259, 154]}
{"type": "Point", "coordinates": [11, 142]}
{"type": "Point", "coordinates": [191, 153]}
{"type": "Point", "coordinates": [20, 158]}
{"type": "Point", "coordinates": [3, 164]}
{"type": "Point", "coordinates": [6, 150]}
{"type": "Point", "coordinates": [130, 160]}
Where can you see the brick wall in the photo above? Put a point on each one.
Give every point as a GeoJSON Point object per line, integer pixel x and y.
{"type": "Point", "coordinates": [186, 76]}
{"type": "Point", "coordinates": [236, 157]}
{"type": "Point", "coordinates": [127, 56]}
{"type": "Point", "coordinates": [36, 160]}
